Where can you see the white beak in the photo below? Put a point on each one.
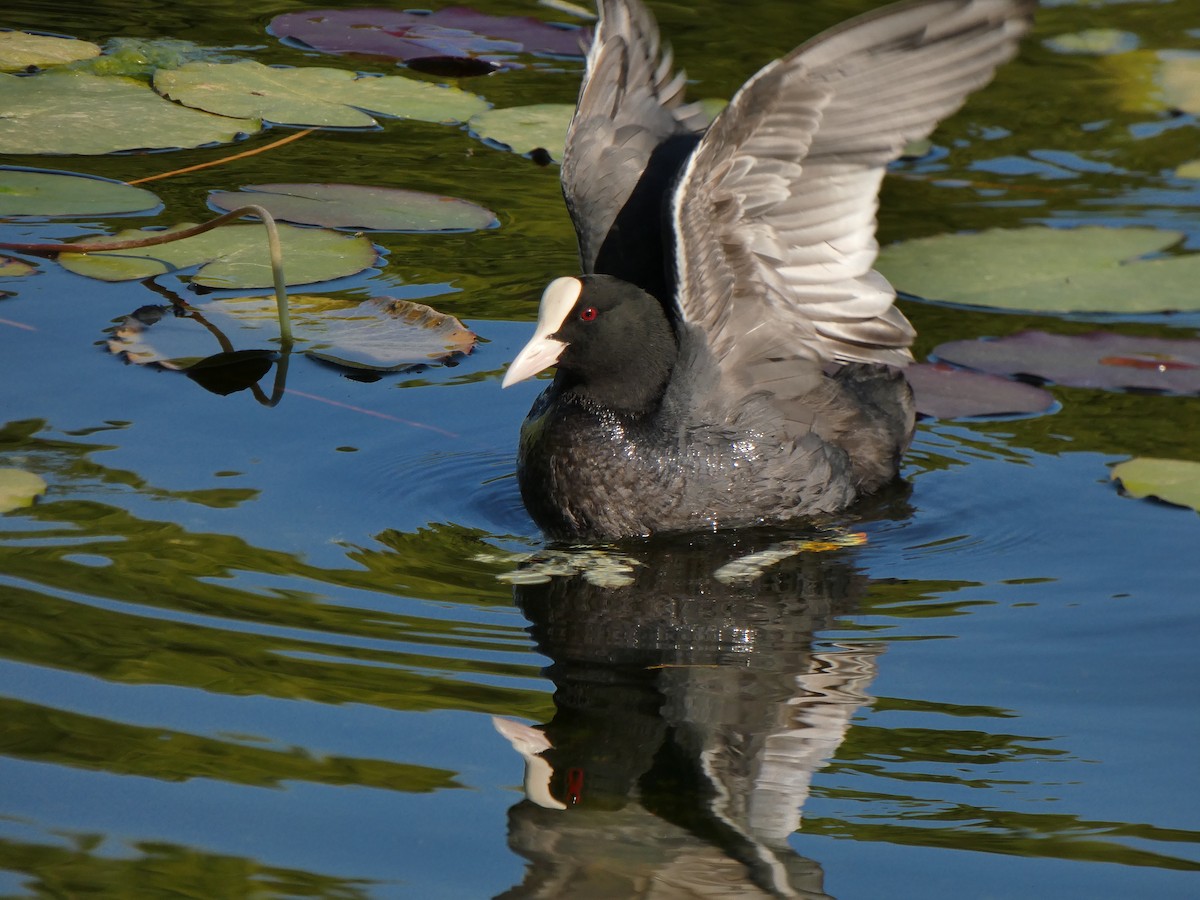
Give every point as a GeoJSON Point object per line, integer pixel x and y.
{"type": "Point", "coordinates": [543, 351]}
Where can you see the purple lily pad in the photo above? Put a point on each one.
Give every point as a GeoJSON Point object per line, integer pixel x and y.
{"type": "Point", "coordinates": [1098, 360]}
{"type": "Point", "coordinates": [944, 392]}
{"type": "Point", "coordinates": [454, 32]}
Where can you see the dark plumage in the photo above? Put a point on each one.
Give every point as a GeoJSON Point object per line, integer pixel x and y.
{"type": "Point", "coordinates": [729, 356]}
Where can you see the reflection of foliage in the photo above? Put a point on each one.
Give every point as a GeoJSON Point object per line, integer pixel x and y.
{"type": "Point", "coordinates": [162, 870]}
{"type": "Point", "coordinates": [126, 606]}
{"type": "Point", "coordinates": [59, 737]}
{"type": "Point", "coordinates": [935, 823]}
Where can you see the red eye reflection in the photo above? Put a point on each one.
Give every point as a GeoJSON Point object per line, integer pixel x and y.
{"type": "Point", "coordinates": [589, 313]}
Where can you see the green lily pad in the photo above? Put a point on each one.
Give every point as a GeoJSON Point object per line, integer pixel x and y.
{"type": "Point", "coordinates": [15, 268]}
{"type": "Point", "coordinates": [382, 333]}
{"type": "Point", "coordinates": [232, 257]}
{"type": "Point", "coordinates": [1190, 169]}
{"type": "Point", "coordinates": [523, 129]}
{"type": "Point", "coordinates": [316, 97]}
{"type": "Point", "coordinates": [74, 112]}
{"type": "Point", "coordinates": [1050, 270]}
{"type": "Point", "coordinates": [25, 192]}
{"type": "Point", "coordinates": [358, 206]}
{"type": "Point", "coordinates": [20, 50]}
{"type": "Point", "coordinates": [1174, 481]}
{"type": "Point", "coordinates": [19, 488]}
{"type": "Point", "coordinates": [1180, 78]}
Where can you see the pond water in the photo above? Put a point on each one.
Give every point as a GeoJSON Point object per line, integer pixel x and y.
{"type": "Point", "coordinates": [253, 651]}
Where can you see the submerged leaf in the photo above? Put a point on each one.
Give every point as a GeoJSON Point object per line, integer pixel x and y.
{"type": "Point", "coordinates": [232, 257]}
{"type": "Point", "coordinates": [945, 392]}
{"type": "Point", "coordinates": [524, 129]}
{"type": "Point", "coordinates": [19, 488]}
{"type": "Point", "coordinates": [25, 192]}
{"type": "Point", "coordinates": [315, 97]}
{"type": "Point", "coordinates": [68, 112]}
{"type": "Point", "coordinates": [1048, 270]}
{"type": "Point", "coordinates": [1174, 481]}
{"type": "Point", "coordinates": [1098, 360]}
{"type": "Point", "coordinates": [1094, 42]}
{"type": "Point", "coordinates": [358, 206]}
{"type": "Point", "coordinates": [20, 50]}
{"type": "Point", "coordinates": [416, 34]}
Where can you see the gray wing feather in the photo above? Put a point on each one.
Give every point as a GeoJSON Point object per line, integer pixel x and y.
{"type": "Point", "coordinates": [630, 102]}
{"type": "Point", "coordinates": [775, 213]}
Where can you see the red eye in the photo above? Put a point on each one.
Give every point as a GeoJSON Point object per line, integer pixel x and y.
{"type": "Point", "coordinates": [589, 313]}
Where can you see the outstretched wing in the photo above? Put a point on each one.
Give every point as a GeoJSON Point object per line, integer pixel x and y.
{"type": "Point", "coordinates": [775, 214]}
{"type": "Point", "coordinates": [630, 104]}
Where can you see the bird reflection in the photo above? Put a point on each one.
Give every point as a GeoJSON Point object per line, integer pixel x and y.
{"type": "Point", "coordinates": [693, 704]}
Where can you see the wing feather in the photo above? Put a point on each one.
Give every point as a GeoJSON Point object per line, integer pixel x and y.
{"type": "Point", "coordinates": [774, 216]}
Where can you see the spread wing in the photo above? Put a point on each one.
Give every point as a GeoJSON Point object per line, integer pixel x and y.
{"type": "Point", "coordinates": [775, 214]}
{"type": "Point", "coordinates": [630, 104]}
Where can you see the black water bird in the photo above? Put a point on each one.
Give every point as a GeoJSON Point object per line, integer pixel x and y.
{"type": "Point", "coordinates": [729, 357]}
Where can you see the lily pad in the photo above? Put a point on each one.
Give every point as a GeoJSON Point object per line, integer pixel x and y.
{"type": "Point", "coordinates": [359, 206]}
{"type": "Point", "coordinates": [15, 268]}
{"type": "Point", "coordinates": [946, 392]}
{"type": "Point", "coordinates": [454, 32]}
{"type": "Point", "coordinates": [19, 50]}
{"type": "Point", "coordinates": [1174, 481]}
{"type": "Point", "coordinates": [1180, 78]}
{"type": "Point", "coordinates": [315, 97]}
{"type": "Point", "coordinates": [523, 129]}
{"type": "Point", "coordinates": [1098, 360]}
{"type": "Point", "coordinates": [19, 488]}
{"type": "Point", "coordinates": [231, 257]}
{"type": "Point", "coordinates": [382, 333]}
{"type": "Point", "coordinates": [1190, 169]}
{"type": "Point", "coordinates": [1051, 270]}
{"type": "Point", "coordinates": [27, 192]}
{"type": "Point", "coordinates": [43, 115]}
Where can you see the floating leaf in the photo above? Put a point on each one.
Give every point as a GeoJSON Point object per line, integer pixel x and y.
{"type": "Point", "coordinates": [20, 50]}
{"type": "Point", "coordinates": [524, 129]}
{"type": "Point", "coordinates": [19, 488]}
{"type": "Point", "coordinates": [1181, 81]}
{"type": "Point", "coordinates": [68, 112]}
{"type": "Point", "coordinates": [1048, 270]}
{"type": "Point", "coordinates": [945, 392]}
{"type": "Point", "coordinates": [1097, 360]}
{"type": "Point", "coordinates": [230, 257]}
{"type": "Point", "coordinates": [357, 206]}
{"type": "Point", "coordinates": [381, 333]}
{"type": "Point", "coordinates": [454, 32]}
{"type": "Point", "coordinates": [1170, 480]}
{"type": "Point", "coordinates": [15, 268]}
{"type": "Point", "coordinates": [387, 334]}
{"type": "Point", "coordinates": [312, 96]}
{"type": "Point", "coordinates": [1094, 42]}
{"type": "Point", "coordinates": [1189, 169]}
{"type": "Point", "coordinates": [25, 192]}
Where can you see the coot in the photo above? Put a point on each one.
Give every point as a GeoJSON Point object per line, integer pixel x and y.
{"type": "Point", "coordinates": [729, 357]}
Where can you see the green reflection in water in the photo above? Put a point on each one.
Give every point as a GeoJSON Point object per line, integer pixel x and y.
{"type": "Point", "coordinates": [43, 734]}
{"type": "Point", "coordinates": [162, 870]}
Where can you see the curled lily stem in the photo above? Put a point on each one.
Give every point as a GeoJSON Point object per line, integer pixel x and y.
{"type": "Point", "coordinates": [273, 245]}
